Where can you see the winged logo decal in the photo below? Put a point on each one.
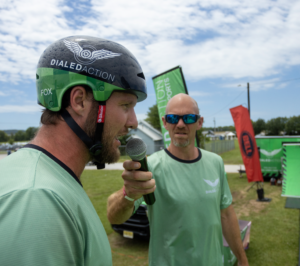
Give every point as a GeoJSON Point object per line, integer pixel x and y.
{"type": "Point", "coordinates": [212, 184]}
{"type": "Point", "coordinates": [270, 154]}
{"type": "Point", "coordinates": [90, 55]}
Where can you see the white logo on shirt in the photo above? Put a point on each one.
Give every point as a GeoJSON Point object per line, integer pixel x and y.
{"type": "Point", "coordinates": [210, 191]}
{"type": "Point", "coordinates": [212, 184]}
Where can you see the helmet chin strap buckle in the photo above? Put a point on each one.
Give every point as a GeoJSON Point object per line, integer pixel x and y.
{"type": "Point", "coordinates": [99, 165]}
{"type": "Point", "coordinates": [95, 150]}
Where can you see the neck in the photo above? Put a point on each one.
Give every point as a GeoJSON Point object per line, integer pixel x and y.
{"type": "Point", "coordinates": [62, 143]}
{"type": "Point", "coordinates": [187, 153]}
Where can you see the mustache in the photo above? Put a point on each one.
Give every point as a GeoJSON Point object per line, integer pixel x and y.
{"type": "Point", "coordinates": [122, 133]}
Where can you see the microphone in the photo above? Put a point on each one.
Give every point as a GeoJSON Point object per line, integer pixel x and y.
{"type": "Point", "coordinates": [136, 150]}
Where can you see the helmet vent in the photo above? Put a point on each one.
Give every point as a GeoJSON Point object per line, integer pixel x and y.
{"type": "Point", "coordinates": [141, 75]}
{"type": "Point", "coordinates": [37, 76]}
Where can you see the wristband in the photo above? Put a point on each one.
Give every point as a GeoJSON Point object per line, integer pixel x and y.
{"type": "Point", "coordinates": [125, 195]}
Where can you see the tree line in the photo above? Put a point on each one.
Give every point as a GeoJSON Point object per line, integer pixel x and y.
{"type": "Point", "coordinates": [20, 135]}
{"type": "Point", "coordinates": [273, 127]}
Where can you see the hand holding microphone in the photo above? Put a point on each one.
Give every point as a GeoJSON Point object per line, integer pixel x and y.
{"type": "Point", "coordinates": [136, 150]}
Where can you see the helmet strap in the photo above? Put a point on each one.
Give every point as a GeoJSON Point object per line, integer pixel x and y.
{"type": "Point", "coordinates": [94, 148]}
{"type": "Point", "coordinates": [76, 128]}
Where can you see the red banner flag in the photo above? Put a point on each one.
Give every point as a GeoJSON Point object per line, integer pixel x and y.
{"type": "Point", "coordinates": [248, 148]}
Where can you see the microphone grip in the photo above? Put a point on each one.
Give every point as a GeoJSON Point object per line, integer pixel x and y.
{"type": "Point", "coordinates": [149, 198]}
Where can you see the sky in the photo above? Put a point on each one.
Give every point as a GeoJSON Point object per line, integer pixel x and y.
{"type": "Point", "coordinates": [220, 45]}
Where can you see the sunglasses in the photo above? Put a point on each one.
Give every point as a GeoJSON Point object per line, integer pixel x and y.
{"type": "Point", "coordinates": [187, 119]}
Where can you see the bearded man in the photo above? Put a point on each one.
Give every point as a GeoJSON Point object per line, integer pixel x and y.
{"type": "Point", "coordinates": [89, 87]}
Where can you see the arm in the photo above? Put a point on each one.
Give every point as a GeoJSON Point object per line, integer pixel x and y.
{"type": "Point", "coordinates": [137, 184]}
{"type": "Point", "coordinates": [119, 209]}
{"type": "Point", "coordinates": [231, 232]}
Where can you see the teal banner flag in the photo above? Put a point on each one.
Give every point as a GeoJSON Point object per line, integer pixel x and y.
{"type": "Point", "coordinates": [291, 170]}
{"type": "Point", "coordinates": [166, 85]}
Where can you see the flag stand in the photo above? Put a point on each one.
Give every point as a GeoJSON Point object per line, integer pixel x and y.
{"type": "Point", "coordinates": [260, 192]}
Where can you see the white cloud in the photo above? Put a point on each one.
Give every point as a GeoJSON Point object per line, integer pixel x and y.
{"type": "Point", "coordinates": [258, 85]}
{"type": "Point", "coordinates": [20, 109]}
{"type": "Point", "coordinates": [208, 38]}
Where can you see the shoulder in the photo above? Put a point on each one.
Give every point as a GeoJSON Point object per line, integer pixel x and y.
{"type": "Point", "coordinates": [154, 160]}
{"type": "Point", "coordinates": [212, 162]}
{"type": "Point", "coordinates": [29, 174]}
{"type": "Point", "coordinates": [156, 157]}
{"type": "Point", "coordinates": [43, 216]}
{"type": "Point", "coordinates": [210, 156]}
{"type": "Point", "coordinates": [36, 202]}
{"type": "Point", "coordinates": [18, 170]}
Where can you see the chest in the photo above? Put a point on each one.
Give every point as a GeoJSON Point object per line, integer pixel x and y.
{"type": "Point", "coordinates": [185, 184]}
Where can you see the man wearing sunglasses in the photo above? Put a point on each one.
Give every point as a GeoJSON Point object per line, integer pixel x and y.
{"type": "Point", "coordinates": [193, 200]}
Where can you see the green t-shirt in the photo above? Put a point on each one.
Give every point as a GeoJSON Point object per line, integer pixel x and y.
{"type": "Point", "coordinates": [185, 220]}
{"type": "Point", "coordinates": [46, 218]}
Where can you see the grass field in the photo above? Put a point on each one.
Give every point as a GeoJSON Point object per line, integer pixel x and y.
{"type": "Point", "coordinates": [233, 156]}
{"type": "Point", "coordinates": [274, 231]}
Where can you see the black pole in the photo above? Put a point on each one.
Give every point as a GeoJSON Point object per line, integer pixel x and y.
{"type": "Point", "coordinates": [248, 89]}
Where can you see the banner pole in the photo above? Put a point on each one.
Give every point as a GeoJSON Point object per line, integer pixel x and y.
{"type": "Point", "coordinates": [185, 87]}
{"type": "Point", "coordinates": [248, 89]}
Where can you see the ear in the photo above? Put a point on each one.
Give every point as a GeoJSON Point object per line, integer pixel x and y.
{"type": "Point", "coordinates": [199, 123]}
{"type": "Point", "coordinates": [79, 100]}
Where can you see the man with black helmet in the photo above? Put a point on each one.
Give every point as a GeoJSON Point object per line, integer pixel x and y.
{"type": "Point", "coordinates": [89, 87]}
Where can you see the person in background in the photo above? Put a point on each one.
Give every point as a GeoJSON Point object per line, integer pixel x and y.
{"type": "Point", "coordinates": [193, 201]}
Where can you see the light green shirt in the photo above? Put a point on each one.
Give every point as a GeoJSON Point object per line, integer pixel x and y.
{"type": "Point", "coordinates": [46, 218]}
{"type": "Point", "coordinates": [185, 220]}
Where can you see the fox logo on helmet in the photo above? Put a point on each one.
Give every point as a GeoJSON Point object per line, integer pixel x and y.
{"type": "Point", "coordinates": [88, 54]}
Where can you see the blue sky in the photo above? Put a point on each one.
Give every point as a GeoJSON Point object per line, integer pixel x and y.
{"type": "Point", "coordinates": [221, 45]}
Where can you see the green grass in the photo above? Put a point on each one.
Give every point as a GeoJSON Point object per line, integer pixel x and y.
{"type": "Point", "coordinates": [99, 185]}
{"type": "Point", "coordinates": [123, 158]}
{"type": "Point", "coordinates": [233, 156]}
{"type": "Point", "coordinates": [274, 230]}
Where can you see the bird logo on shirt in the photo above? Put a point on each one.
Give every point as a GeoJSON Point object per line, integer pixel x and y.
{"type": "Point", "coordinates": [212, 184]}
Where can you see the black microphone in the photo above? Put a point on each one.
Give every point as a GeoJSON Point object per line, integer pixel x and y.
{"type": "Point", "coordinates": [136, 150]}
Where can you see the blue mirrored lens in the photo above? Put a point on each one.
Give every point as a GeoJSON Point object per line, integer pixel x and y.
{"type": "Point", "coordinates": [172, 119]}
{"type": "Point", "coordinates": [189, 119]}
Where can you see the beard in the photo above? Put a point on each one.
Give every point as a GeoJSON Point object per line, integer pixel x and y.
{"type": "Point", "coordinates": [181, 144]}
{"type": "Point", "coordinates": [108, 153]}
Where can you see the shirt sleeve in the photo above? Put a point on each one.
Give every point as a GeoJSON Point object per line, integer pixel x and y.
{"type": "Point", "coordinates": [37, 228]}
{"type": "Point", "coordinates": [226, 197]}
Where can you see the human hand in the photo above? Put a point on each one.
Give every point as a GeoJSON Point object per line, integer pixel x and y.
{"type": "Point", "coordinates": [137, 183]}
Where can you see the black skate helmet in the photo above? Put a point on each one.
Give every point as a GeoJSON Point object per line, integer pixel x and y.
{"type": "Point", "coordinates": [103, 65]}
